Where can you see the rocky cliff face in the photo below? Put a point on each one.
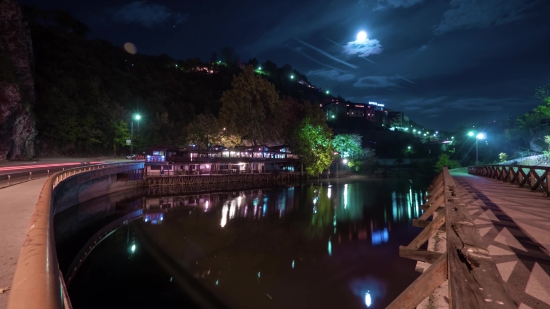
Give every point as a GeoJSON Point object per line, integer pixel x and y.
{"type": "Point", "coordinates": [17, 96]}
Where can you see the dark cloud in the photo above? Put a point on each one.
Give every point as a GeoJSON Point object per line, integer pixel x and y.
{"type": "Point", "coordinates": [332, 75]}
{"type": "Point", "coordinates": [376, 82]}
{"type": "Point", "coordinates": [147, 14]}
{"type": "Point", "coordinates": [387, 4]}
{"type": "Point", "coordinates": [467, 14]}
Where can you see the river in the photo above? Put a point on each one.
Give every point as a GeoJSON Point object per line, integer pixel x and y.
{"type": "Point", "coordinates": [322, 245]}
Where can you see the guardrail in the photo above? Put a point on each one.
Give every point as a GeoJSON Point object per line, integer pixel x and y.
{"type": "Point", "coordinates": [535, 177]}
{"type": "Point", "coordinates": [38, 282]}
{"type": "Point", "coordinates": [474, 281]}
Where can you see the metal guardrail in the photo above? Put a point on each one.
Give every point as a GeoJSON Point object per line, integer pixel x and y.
{"type": "Point", "coordinates": [534, 177]}
{"type": "Point", "coordinates": [474, 280]}
{"type": "Point", "coordinates": [38, 282]}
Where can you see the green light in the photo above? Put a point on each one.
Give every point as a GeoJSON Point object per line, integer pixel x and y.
{"type": "Point", "coordinates": [409, 147]}
{"type": "Point", "coordinates": [260, 68]}
{"type": "Point", "coordinates": [137, 116]}
{"type": "Point", "coordinates": [327, 92]}
{"type": "Point", "coordinates": [291, 76]}
{"type": "Point", "coordinates": [333, 116]}
{"type": "Point", "coordinates": [471, 133]}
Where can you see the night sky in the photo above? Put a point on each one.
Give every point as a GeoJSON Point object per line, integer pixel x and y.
{"type": "Point", "coordinates": [444, 63]}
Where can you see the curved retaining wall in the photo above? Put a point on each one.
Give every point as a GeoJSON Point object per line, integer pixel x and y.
{"type": "Point", "coordinates": [37, 282]}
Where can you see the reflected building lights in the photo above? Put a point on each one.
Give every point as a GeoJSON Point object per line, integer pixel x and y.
{"type": "Point", "coordinates": [232, 210]}
{"type": "Point", "coordinates": [368, 299]}
{"type": "Point", "coordinates": [345, 196]}
{"type": "Point", "coordinates": [329, 247]}
{"type": "Point", "coordinates": [206, 206]}
{"type": "Point", "coordinates": [224, 215]}
{"type": "Point", "coordinates": [329, 192]}
{"type": "Point", "coordinates": [292, 264]}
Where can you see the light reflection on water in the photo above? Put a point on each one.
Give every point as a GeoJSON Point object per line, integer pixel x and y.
{"type": "Point", "coordinates": [350, 219]}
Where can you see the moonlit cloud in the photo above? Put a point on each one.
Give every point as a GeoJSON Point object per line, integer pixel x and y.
{"type": "Point", "coordinates": [147, 14]}
{"type": "Point", "coordinates": [332, 75]}
{"type": "Point", "coordinates": [363, 48]}
{"type": "Point", "coordinates": [324, 53]}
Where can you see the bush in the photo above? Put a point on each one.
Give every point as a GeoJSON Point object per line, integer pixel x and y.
{"type": "Point", "coordinates": [503, 157]}
{"type": "Point", "coordinates": [444, 160]}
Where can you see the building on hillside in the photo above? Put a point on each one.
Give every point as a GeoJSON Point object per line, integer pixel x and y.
{"type": "Point", "coordinates": [371, 111]}
{"type": "Point", "coordinates": [398, 120]}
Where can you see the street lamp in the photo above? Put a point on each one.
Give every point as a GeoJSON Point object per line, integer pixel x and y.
{"type": "Point", "coordinates": [135, 117]}
{"type": "Point", "coordinates": [478, 137]}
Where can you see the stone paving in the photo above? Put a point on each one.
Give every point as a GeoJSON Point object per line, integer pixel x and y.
{"type": "Point", "coordinates": [515, 226]}
{"type": "Point", "coordinates": [16, 206]}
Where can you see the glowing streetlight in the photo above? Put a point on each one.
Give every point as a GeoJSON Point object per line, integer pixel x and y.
{"type": "Point", "coordinates": [345, 161]}
{"type": "Point", "coordinates": [479, 136]}
{"type": "Point", "coordinates": [291, 76]}
{"type": "Point", "coordinates": [327, 92]}
{"type": "Point", "coordinates": [260, 68]}
{"type": "Point", "coordinates": [136, 117]}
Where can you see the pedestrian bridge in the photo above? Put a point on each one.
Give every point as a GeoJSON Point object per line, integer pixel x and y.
{"type": "Point", "coordinates": [496, 224]}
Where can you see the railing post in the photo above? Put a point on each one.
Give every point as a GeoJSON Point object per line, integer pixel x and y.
{"type": "Point", "coordinates": [9, 179]}
{"type": "Point", "coordinates": [30, 175]}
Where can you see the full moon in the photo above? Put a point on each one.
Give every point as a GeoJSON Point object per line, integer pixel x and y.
{"type": "Point", "coordinates": [361, 36]}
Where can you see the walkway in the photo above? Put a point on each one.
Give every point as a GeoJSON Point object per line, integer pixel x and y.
{"type": "Point", "coordinates": [515, 226]}
{"type": "Point", "coordinates": [16, 206]}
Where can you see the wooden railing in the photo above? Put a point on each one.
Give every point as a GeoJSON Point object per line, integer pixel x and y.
{"type": "Point", "coordinates": [38, 282]}
{"type": "Point", "coordinates": [536, 178]}
{"type": "Point", "coordinates": [473, 279]}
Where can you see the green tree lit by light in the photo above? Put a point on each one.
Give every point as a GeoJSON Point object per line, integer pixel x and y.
{"type": "Point", "coordinates": [349, 147]}
{"type": "Point", "coordinates": [312, 141]}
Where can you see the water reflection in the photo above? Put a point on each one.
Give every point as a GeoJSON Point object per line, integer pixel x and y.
{"type": "Point", "coordinates": [337, 233]}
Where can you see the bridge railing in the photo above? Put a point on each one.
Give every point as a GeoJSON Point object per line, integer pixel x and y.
{"type": "Point", "coordinates": [473, 279]}
{"type": "Point", "coordinates": [533, 177]}
{"type": "Point", "coordinates": [38, 282]}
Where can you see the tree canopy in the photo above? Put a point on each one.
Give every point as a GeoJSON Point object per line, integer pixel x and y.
{"type": "Point", "coordinates": [312, 140]}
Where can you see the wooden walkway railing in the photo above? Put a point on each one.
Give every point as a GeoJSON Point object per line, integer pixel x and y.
{"type": "Point", "coordinates": [473, 279]}
{"type": "Point", "coordinates": [536, 178]}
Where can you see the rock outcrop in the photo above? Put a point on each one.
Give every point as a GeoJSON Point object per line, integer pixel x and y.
{"type": "Point", "coordinates": [17, 96]}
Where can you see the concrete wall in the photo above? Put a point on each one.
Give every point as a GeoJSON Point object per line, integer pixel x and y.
{"type": "Point", "coordinates": [83, 187]}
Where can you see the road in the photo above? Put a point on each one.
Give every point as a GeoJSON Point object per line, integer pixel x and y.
{"type": "Point", "coordinates": [17, 172]}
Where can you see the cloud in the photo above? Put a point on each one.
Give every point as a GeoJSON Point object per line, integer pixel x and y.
{"type": "Point", "coordinates": [299, 50]}
{"type": "Point", "coordinates": [484, 104]}
{"type": "Point", "coordinates": [423, 47]}
{"type": "Point", "coordinates": [393, 4]}
{"type": "Point", "coordinates": [420, 104]}
{"type": "Point", "coordinates": [363, 48]}
{"type": "Point", "coordinates": [467, 14]}
{"type": "Point", "coordinates": [332, 75]}
{"type": "Point", "coordinates": [376, 82]}
{"type": "Point", "coordinates": [147, 15]}
{"type": "Point", "coordinates": [322, 52]}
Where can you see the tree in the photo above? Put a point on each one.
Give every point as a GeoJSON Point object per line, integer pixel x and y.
{"type": "Point", "coordinates": [444, 160]}
{"type": "Point", "coordinates": [121, 134]}
{"type": "Point", "coordinates": [204, 131]}
{"type": "Point", "coordinates": [248, 105]}
{"type": "Point", "coordinates": [228, 54]}
{"type": "Point", "coordinates": [349, 147]}
{"type": "Point", "coordinates": [312, 141]}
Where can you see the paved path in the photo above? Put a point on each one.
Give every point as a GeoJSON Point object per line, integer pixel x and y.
{"type": "Point", "coordinates": [16, 206]}
{"type": "Point", "coordinates": [515, 226]}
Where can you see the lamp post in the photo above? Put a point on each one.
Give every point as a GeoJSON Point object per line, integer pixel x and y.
{"type": "Point", "coordinates": [478, 137]}
{"type": "Point", "coordinates": [136, 117]}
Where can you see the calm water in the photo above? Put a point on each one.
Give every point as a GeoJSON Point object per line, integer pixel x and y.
{"type": "Point", "coordinates": [327, 245]}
